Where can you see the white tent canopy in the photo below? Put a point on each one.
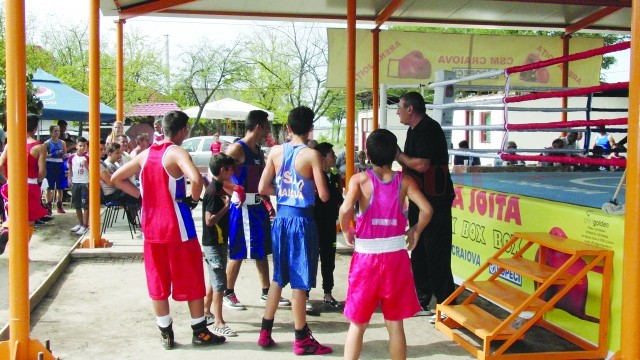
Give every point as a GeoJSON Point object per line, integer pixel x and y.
{"type": "Point", "coordinates": [225, 109]}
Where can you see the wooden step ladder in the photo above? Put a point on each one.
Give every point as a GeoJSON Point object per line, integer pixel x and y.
{"type": "Point", "coordinates": [489, 328]}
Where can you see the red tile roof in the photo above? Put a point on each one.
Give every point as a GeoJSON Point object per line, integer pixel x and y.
{"type": "Point", "coordinates": [152, 109]}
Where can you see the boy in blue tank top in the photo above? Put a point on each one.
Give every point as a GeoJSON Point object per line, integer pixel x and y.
{"type": "Point", "coordinates": [298, 173]}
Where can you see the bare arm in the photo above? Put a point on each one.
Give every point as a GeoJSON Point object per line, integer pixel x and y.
{"type": "Point", "coordinates": [3, 163]}
{"type": "Point", "coordinates": [418, 164]}
{"type": "Point", "coordinates": [346, 210]}
{"type": "Point", "coordinates": [265, 187]}
{"type": "Point", "coordinates": [426, 211]}
{"type": "Point", "coordinates": [236, 152]}
{"type": "Point", "coordinates": [211, 219]}
{"type": "Point", "coordinates": [319, 177]}
{"type": "Point", "coordinates": [612, 142]}
{"type": "Point", "coordinates": [120, 178]}
{"type": "Point", "coordinates": [42, 161]}
{"type": "Point", "coordinates": [106, 177]}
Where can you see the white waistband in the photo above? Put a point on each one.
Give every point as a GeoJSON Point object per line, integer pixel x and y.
{"type": "Point", "coordinates": [250, 199]}
{"type": "Point", "coordinates": [57, 160]}
{"type": "Point", "coordinates": [32, 181]}
{"type": "Point", "coordinates": [381, 245]}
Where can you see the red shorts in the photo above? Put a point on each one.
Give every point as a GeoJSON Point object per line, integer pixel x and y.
{"type": "Point", "coordinates": [383, 280]}
{"type": "Point", "coordinates": [174, 266]}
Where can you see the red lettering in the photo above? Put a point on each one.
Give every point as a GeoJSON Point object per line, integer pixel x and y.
{"type": "Point", "coordinates": [501, 201]}
{"type": "Point", "coordinates": [513, 211]}
{"type": "Point", "coordinates": [481, 202]}
{"type": "Point", "coordinates": [458, 202]}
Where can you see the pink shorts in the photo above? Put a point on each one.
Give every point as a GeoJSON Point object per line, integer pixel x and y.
{"type": "Point", "coordinates": [381, 279]}
{"type": "Point", "coordinates": [174, 266]}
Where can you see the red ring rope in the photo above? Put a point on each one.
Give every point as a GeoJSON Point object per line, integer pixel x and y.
{"type": "Point", "coordinates": [566, 160]}
{"type": "Point", "coordinates": [566, 93]}
{"type": "Point", "coordinates": [567, 124]}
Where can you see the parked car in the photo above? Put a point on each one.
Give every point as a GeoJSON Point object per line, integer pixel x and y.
{"type": "Point", "coordinates": [199, 149]}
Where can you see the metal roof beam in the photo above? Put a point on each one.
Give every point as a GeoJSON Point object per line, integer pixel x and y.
{"type": "Point", "coordinates": [590, 20]}
{"type": "Point", "coordinates": [387, 12]}
{"type": "Point", "coordinates": [150, 6]}
{"type": "Point", "coordinates": [608, 3]}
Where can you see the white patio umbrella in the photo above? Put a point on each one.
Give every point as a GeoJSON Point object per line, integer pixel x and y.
{"type": "Point", "coordinates": [225, 109]}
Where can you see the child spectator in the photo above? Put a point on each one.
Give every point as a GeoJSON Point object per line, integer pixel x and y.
{"type": "Point", "coordinates": [158, 134]}
{"type": "Point", "coordinates": [361, 162]}
{"type": "Point", "coordinates": [215, 234]}
{"type": "Point", "coordinates": [380, 260]}
{"type": "Point", "coordinates": [326, 214]}
{"type": "Point", "coordinates": [79, 180]}
{"type": "Point", "coordinates": [294, 232]}
{"type": "Point", "coordinates": [460, 159]}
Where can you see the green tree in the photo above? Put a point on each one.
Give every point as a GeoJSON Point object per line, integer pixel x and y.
{"type": "Point", "coordinates": [208, 69]}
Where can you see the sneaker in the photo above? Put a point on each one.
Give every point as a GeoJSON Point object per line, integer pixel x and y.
{"type": "Point", "coordinates": [309, 306]}
{"type": "Point", "coordinates": [265, 339]}
{"type": "Point", "coordinates": [204, 337]}
{"type": "Point", "coordinates": [166, 338]}
{"type": "Point", "coordinates": [39, 222]}
{"type": "Point", "coordinates": [223, 331]}
{"type": "Point", "coordinates": [82, 230]}
{"type": "Point", "coordinates": [332, 303]}
{"type": "Point", "coordinates": [76, 228]}
{"type": "Point", "coordinates": [309, 346]}
{"type": "Point", "coordinates": [443, 317]}
{"type": "Point", "coordinates": [282, 302]}
{"type": "Point", "coordinates": [424, 311]}
{"type": "Point", "coordinates": [61, 211]}
{"type": "Point", "coordinates": [231, 301]}
{"type": "Point", "coordinates": [4, 239]}
{"type": "Point", "coordinates": [46, 218]}
{"type": "Point", "coordinates": [210, 319]}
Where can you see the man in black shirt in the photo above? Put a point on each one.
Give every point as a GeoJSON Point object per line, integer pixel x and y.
{"type": "Point", "coordinates": [426, 159]}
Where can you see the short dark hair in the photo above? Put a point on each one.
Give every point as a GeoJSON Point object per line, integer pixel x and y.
{"type": "Point", "coordinates": [141, 137]}
{"type": "Point", "coordinates": [256, 117]}
{"type": "Point", "coordinates": [112, 147]}
{"type": "Point", "coordinates": [173, 122]}
{"type": "Point", "coordinates": [382, 146]}
{"type": "Point", "coordinates": [62, 123]}
{"type": "Point", "coordinates": [414, 99]}
{"type": "Point", "coordinates": [464, 144]}
{"type": "Point", "coordinates": [103, 142]}
{"type": "Point", "coordinates": [301, 120]}
{"type": "Point", "coordinates": [324, 148]}
{"type": "Point", "coordinates": [218, 161]}
{"type": "Point", "coordinates": [82, 139]}
{"type": "Point", "coordinates": [32, 122]}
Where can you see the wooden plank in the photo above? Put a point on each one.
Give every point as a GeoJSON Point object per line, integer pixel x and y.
{"type": "Point", "coordinates": [561, 244]}
{"type": "Point", "coordinates": [530, 269]}
{"type": "Point", "coordinates": [476, 320]}
{"type": "Point", "coordinates": [503, 294]}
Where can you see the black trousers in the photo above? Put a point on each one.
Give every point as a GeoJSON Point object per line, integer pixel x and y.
{"type": "Point", "coordinates": [327, 241]}
{"type": "Point", "coordinates": [431, 259]}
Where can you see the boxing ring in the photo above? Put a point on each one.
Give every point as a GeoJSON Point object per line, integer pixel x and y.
{"type": "Point", "coordinates": [490, 207]}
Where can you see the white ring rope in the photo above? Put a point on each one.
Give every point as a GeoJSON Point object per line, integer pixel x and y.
{"type": "Point", "coordinates": [483, 75]}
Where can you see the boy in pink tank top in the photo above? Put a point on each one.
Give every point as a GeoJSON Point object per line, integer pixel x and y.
{"type": "Point", "coordinates": [380, 273]}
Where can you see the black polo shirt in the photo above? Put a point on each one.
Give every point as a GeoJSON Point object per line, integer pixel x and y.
{"type": "Point", "coordinates": [426, 140]}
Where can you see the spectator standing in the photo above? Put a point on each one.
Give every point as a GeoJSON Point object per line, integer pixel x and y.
{"type": "Point", "coordinates": [172, 255]}
{"type": "Point", "coordinates": [325, 215]}
{"type": "Point", "coordinates": [215, 234]}
{"type": "Point", "coordinates": [79, 180]}
{"type": "Point", "coordinates": [216, 145]}
{"type": "Point", "coordinates": [425, 158]}
{"type": "Point", "coordinates": [56, 179]}
{"type": "Point", "coordinates": [298, 173]}
{"type": "Point", "coordinates": [158, 134]}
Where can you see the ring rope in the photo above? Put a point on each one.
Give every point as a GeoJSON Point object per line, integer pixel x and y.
{"type": "Point", "coordinates": [566, 160]}
{"type": "Point", "coordinates": [486, 74]}
{"type": "Point", "coordinates": [568, 93]}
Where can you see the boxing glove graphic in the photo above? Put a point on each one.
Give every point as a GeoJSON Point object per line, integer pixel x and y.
{"type": "Point", "coordinates": [414, 66]}
{"type": "Point", "coordinates": [537, 75]}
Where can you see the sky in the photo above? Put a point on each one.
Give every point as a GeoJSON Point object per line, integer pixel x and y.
{"type": "Point", "coordinates": [183, 33]}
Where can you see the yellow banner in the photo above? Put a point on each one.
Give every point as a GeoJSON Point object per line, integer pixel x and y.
{"type": "Point", "coordinates": [413, 57]}
{"type": "Point", "coordinates": [484, 220]}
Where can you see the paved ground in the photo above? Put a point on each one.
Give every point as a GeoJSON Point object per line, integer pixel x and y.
{"type": "Point", "coordinates": [99, 309]}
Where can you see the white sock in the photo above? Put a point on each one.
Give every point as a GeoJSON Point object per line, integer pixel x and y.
{"type": "Point", "coordinates": [197, 321]}
{"type": "Point", "coordinates": [163, 321]}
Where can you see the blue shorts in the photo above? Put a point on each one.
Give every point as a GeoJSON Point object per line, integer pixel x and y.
{"type": "Point", "coordinates": [216, 258]}
{"type": "Point", "coordinates": [55, 176]}
{"type": "Point", "coordinates": [295, 247]}
{"type": "Point", "coordinates": [249, 232]}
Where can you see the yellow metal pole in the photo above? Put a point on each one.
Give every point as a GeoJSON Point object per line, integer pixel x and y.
{"type": "Point", "coordinates": [375, 97]}
{"type": "Point", "coordinates": [629, 345]}
{"type": "Point", "coordinates": [120, 70]}
{"type": "Point", "coordinates": [19, 345]}
{"type": "Point", "coordinates": [94, 128]}
{"type": "Point", "coordinates": [351, 87]}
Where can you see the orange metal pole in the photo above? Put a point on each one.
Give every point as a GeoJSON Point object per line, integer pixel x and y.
{"type": "Point", "coordinates": [629, 345]}
{"type": "Point", "coordinates": [375, 97]}
{"type": "Point", "coordinates": [351, 86]}
{"type": "Point", "coordinates": [19, 345]}
{"type": "Point", "coordinates": [94, 128]}
{"type": "Point", "coordinates": [119, 70]}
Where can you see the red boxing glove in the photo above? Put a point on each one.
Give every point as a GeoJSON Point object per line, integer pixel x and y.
{"type": "Point", "coordinates": [269, 206]}
{"type": "Point", "coordinates": [239, 189]}
{"type": "Point", "coordinates": [414, 66]}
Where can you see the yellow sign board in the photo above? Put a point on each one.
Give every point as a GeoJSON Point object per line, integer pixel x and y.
{"type": "Point", "coordinates": [484, 220]}
{"type": "Point", "coordinates": [413, 57]}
